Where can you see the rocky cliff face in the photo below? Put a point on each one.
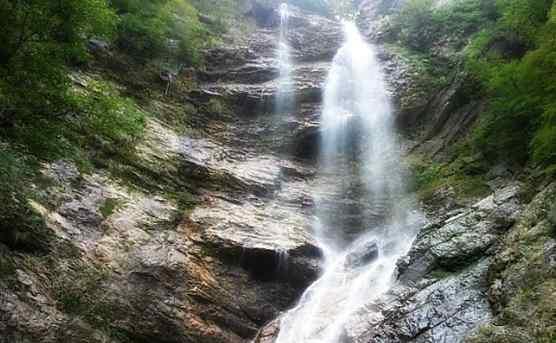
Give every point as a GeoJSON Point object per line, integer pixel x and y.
{"type": "Point", "coordinates": [205, 236]}
{"type": "Point", "coordinates": [435, 111]}
{"type": "Point", "coordinates": [458, 282]}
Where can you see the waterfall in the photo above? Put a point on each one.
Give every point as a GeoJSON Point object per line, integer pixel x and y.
{"type": "Point", "coordinates": [359, 172]}
{"type": "Point", "coordinates": [284, 97]}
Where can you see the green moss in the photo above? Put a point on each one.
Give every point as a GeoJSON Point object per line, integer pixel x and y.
{"type": "Point", "coordinates": [163, 179]}
{"type": "Point", "coordinates": [465, 175]}
{"type": "Point", "coordinates": [7, 266]}
{"type": "Point", "coordinates": [497, 334]}
{"type": "Point", "coordinates": [21, 228]}
{"type": "Point", "coordinates": [528, 316]}
{"type": "Point", "coordinates": [527, 302]}
{"type": "Point", "coordinates": [217, 107]}
{"type": "Point", "coordinates": [426, 71]}
{"type": "Point", "coordinates": [78, 288]}
{"type": "Point", "coordinates": [552, 219]}
{"type": "Point", "coordinates": [75, 287]}
{"type": "Point", "coordinates": [440, 274]}
{"type": "Point", "coordinates": [109, 207]}
{"type": "Point", "coordinates": [175, 115]}
{"type": "Point", "coordinates": [121, 335]}
{"type": "Point", "coordinates": [532, 309]}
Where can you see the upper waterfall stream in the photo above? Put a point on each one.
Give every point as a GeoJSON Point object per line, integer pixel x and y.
{"type": "Point", "coordinates": [285, 96]}
{"type": "Point", "coordinates": [359, 172]}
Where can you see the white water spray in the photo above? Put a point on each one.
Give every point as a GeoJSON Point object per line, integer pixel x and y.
{"type": "Point", "coordinates": [359, 160]}
{"type": "Point", "coordinates": [284, 97]}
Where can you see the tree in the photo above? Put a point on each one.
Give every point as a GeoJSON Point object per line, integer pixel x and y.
{"type": "Point", "coordinates": [159, 28]}
{"type": "Point", "coordinates": [39, 38]}
{"type": "Point", "coordinates": [29, 25]}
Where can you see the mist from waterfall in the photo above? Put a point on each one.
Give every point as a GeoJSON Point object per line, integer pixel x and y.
{"type": "Point", "coordinates": [359, 159]}
{"type": "Point", "coordinates": [285, 94]}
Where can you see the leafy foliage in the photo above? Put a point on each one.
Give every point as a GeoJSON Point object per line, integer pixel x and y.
{"type": "Point", "coordinates": [108, 116]}
{"type": "Point", "coordinates": [21, 228]}
{"type": "Point", "coordinates": [521, 121]}
{"type": "Point", "coordinates": [523, 17]}
{"type": "Point", "coordinates": [39, 38]}
{"type": "Point", "coordinates": [218, 14]}
{"type": "Point", "coordinates": [42, 39]}
{"type": "Point", "coordinates": [463, 175]}
{"type": "Point", "coordinates": [510, 61]}
{"type": "Point", "coordinates": [44, 115]}
{"type": "Point", "coordinates": [37, 25]}
{"type": "Point", "coordinates": [420, 23]}
{"type": "Point", "coordinates": [160, 28]}
{"type": "Point", "coordinates": [96, 118]}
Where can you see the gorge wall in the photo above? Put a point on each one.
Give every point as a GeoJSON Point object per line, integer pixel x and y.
{"type": "Point", "coordinates": [204, 234]}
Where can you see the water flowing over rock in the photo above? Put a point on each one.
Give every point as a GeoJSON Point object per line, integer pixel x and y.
{"type": "Point", "coordinates": [280, 213]}
{"type": "Point", "coordinates": [442, 289]}
{"type": "Point", "coordinates": [361, 245]}
{"type": "Point", "coordinates": [264, 70]}
{"type": "Point", "coordinates": [285, 95]}
{"type": "Point", "coordinates": [362, 255]}
{"type": "Point", "coordinates": [215, 272]}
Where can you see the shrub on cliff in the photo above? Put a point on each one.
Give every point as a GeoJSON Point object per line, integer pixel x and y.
{"type": "Point", "coordinates": [511, 57]}
{"type": "Point", "coordinates": [421, 24]}
{"type": "Point", "coordinates": [521, 119]}
{"type": "Point", "coordinates": [160, 28]}
{"type": "Point", "coordinates": [20, 227]}
{"type": "Point", "coordinates": [39, 39]}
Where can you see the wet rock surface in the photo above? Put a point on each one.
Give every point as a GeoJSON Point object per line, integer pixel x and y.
{"type": "Point", "coordinates": [138, 264]}
{"type": "Point", "coordinates": [442, 310]}
{"type": "Point", "coordinates": [363, 256]}
{"type": "Point", "coordinates": [443, 284]}
{"type": "Point", "coordinates": [133, 265]}
{"type": "Point", "coordinates": [463, 237]}
{"type": "Point", "coordinates": [246, 74]}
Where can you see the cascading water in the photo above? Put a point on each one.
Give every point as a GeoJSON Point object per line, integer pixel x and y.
{"type": "Point", "coordinates": [284, 97]}
{"type": "Point", "coordinates": [360, 173]}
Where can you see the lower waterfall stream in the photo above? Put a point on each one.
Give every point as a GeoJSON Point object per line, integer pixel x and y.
{"type": "Point", "coordinates": [359, 172]}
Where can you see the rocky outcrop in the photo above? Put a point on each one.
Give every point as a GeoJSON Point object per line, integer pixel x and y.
{"type": "Point", "coordinates": [366, 253]}
{"type": "Point", "coordinates": [463, 237]}
{"type": "Point", "coordinates": [159, 276]}
{"type": "Point", "coordinates": [199, 237]}
{"type": "Point", "coordinates": [522, 277]}
{"type": "Point", "coordinates": [431, 91]}
{"type": "Point", "coordinates": [204, 234]}
{"type": "Point", "coordinates": [466, 277]}
{"type": "Point", "coordinates": [442, 288]}
{"type": "Point", "coordinates": [441, 294]}
{"type": "Point", "coordinates": [246, 74]}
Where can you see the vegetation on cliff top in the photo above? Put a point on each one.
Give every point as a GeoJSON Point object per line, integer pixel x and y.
{"type": "Point", "coordinates": [520, 81]}
{"type": "Point", "coordinates": [42, 40]}
{"type": "Point", "coordinates": [510, 49]}
{"type": "Point", "coordinates": [50, 110]}
{"type": "Point", "coordinates": [507, 50]}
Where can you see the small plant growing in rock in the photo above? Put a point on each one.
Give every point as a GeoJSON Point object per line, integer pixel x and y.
{"type": "Point", "coordinates": [552, 218]}
{"type": "Point", "coordinates": [109, 206]}
{"type": "Point", "coordinates": [216, 106]}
